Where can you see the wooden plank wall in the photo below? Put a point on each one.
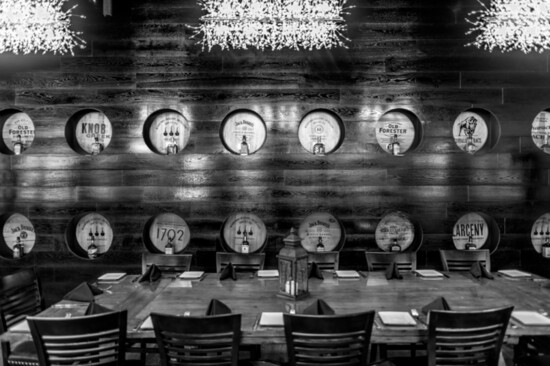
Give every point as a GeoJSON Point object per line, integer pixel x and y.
{"type": "Point", "coordinates": [403, 54]}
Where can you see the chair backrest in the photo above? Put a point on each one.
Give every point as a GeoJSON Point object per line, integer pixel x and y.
{"type": "Point", "coordinates": [204, 340]}
{"type": "Point", "coordinates": [166, 263]}
{"type": "Point", "coordinates": [20, 295]}
{"type": "Point", "coordinates": [377, 261]}
{"type": "Point", "coordinates": [328, 339]}
{"type": "Point", "coordinates": [328, 261]}
{"type": "Point", "coordinates": [466, 337]}
{"type": "Point", "coordinates": [252, 262]}
{"type": "Point", "coordinates": [87, 340]}
{"type": "Point", "coordinates": [462, 260]}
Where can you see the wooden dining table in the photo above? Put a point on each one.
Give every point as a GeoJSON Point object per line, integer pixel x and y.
{"type": "Point", "coordinates": [250, 296]}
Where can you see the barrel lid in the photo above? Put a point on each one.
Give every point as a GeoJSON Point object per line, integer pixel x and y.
{"type": "Point", "coordinates": [325, 226]}
{"type": "Point", "coordinates": [240, 225]}
{"type": "Point", "coordinates": [241, 128]}
{"type": "Point", "coordinates": [160, 228]}
{"type": "Point", "coordinates": [321, 126]}
{"type": "Point", "coordinates": [398, 226]}
{"type": "Point", "coordinates": [164, 128]}
{"type": "Point", "coordinates": [16, 225]}
{"type": "Point", "coordinates": [540, 231]}
{"type": "Point", "coordinates": [82, 228]}
{"type": "Point", "coordinates": [16, 126]}
{"type": "Point", "coordinates": [481, 227]}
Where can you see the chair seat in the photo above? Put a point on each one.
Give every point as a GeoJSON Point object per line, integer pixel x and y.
{"type": "Point", "coordinates": [534, 361]}
{"type": "Point", "coordinates": [24, 354]}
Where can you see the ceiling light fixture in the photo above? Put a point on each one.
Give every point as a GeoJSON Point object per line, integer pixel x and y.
{"type": "Point", "coordinates": [272, 24]}
{"type": "Point", "coordinates": [512, 24]}
{"type": "Point", "coordinates": [37, 26]}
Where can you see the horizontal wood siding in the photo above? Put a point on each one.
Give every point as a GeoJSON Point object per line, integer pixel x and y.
{"type": "Point", "coordinates": [402, 54]}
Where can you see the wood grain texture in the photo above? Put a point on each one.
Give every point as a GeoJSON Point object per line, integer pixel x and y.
{"type": "Point", "coordinates": [402, 54]}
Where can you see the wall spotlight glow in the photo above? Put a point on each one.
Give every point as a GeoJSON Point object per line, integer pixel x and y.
{"type": "Point", "coordinates": [37, 26]}
{"type": "Point", "coordinates": [512, 24]}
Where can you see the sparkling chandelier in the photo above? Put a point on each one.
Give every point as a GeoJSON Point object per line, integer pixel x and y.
{"type": "Point", "coordinates": [37, 25]}
{"type": "Point", "coordinates": [273, 24]}
{"type": "Point", "coordinates": [512, 24]}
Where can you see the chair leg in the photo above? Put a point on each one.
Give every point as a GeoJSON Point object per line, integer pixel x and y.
{"type": "Point", "coordinates": [5, 349]}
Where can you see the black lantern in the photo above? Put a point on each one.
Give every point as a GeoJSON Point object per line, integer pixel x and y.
{"type": "Point", "coordinates": [293, 268]}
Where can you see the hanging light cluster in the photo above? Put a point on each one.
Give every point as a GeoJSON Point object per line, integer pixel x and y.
{"type": "Point", "coordinates": [512, 24]}
{"type": "Point", "coordinates": [272, 24]}
{"type": "Point", "coordinates": [32, 26]}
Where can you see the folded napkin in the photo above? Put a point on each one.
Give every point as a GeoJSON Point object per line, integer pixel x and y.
{"type": "Point", "coordinates": [319, 307]}
{"type": "Point", "coordinates": [152, 274]}
{"type": "Point", "coordinates": [315, 271]}
{"type": "Point", "coordinates": [216, 307]}
{"type": "Point", "coordinates": [393, 272]}
{"type": "Point", "coordinates": [94, 309]}
{"type": "Point", "coordinates": [228, 272]}
{"type": "Point", "coordinates": [83, 292]}
{"type": "Point", "coordinates": [439, 303]}
{"type": "Point", "coordinates": [478, 270]}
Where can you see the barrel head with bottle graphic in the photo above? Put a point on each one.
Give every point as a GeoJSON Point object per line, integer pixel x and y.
{"type": "Point", "coordinates": [540, 235]}
{"type": "Point", "coordinates": [17, 230]}
{"type": "Point", "coordinates": [240, 227]}
{"type": "Point", "coordinates": [161, 228]}
{"type": "Point", "coordinates": [398, 131]}
{"type": "Point", "coordinates": [243, 132]}
{"type": "Point", "coordinates": [88, 228]}
{"type": "Point", "coordinates": [321, 132]}
{"type": "Point", "coordinates": [167, 132]}
{"type": "Point", "coordinates": [476, 229]}
{"type": "Point", "coordinates": [540, 131]}
{"type": "Point", "coordinates": [323, 230]}
{"type": "Point", "coordinates": [17, 132]}
{"type": "Point", "coordinates": [398, 228]}
{"type": "Point", "coordinates": [89, 132]}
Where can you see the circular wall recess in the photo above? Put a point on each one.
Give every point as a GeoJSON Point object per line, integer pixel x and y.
{"type": "Point", "coordinates": [399, 131]}
{"type": "Point", "coordinates": [322, 232]}
{"type": "Point", "coordinates": [476, 130]}
{"type": "Point", "coordinates": [161, 229]}
{"type": "Point", "coordinates": [476, 230]}
{"type": "Point", "coordinates": [17, 132]}
{"type": "Point", "coordinates": [242, 227]}
{"type": "Point", "coordinates": [89, 132]}
{"type": "Point", "coordinates": [89, 235]}
{"type": "Point", "coordinates": [166, 132]}
{"type": "Point", "coordinates": [243, 132]}
{"type": "Point", "coordinates": [321, 132]}
{"type": "Point", "coordinates": [18, 236]}
{"type": "Point", "coordinates": [398, 232]}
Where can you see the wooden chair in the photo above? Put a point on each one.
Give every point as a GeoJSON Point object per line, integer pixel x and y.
{"type": "Point", "coordinates": [328, 339]}
{"type": "Point", "coordinates": [462, 260]}
{"type": "Point", "coordinates": [205, 340]}
{"type": "Point", "coordinates": [378, 261]}
{"type": "Point", "coordinates": [252, 262]}
{"type": "Point", "coordinates": [89, 340]}
{"type": "Point", "coordinates": [20, 295]}
{"type": "Point", "coordinates": [166, 263]}
{"type": "Point", "coordinates": [327, 261]}
{"type": "Point", "coordinates": [466, 337]}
